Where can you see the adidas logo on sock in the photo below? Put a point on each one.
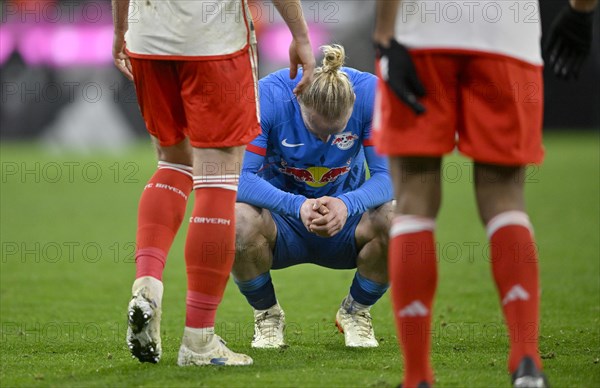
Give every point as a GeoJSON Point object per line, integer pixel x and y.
{"type": "Point", "coordinates": [414, 309]}
{"type": "Point", "coordinates": [515, 293]}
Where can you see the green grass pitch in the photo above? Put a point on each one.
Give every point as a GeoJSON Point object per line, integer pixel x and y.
{"type": "Point", "coordinates": [67, 230]}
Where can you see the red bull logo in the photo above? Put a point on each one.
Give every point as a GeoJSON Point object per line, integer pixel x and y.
{"type": "Point", "coordinates": [316, 176]}
{"type": "Point", "coordinates": [344, 140]}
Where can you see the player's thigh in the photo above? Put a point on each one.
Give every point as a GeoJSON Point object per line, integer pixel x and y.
{"type": "Point", "coordinates": [417, 185]}
{"type": "Point", "coordinates": [220, 101]}
{"type": "Point", "coordinates": [337, 252]}
{"type": "Point", "coordinates": [499, 189]}
{"type": "Point", "coordinates": [159, 98]}
{"type": "Point", "coordinates": [501, 111]}
{"type": "Point", "coordinates": [291, 245]}
{"type": "Point", "coordinates": [399, 131]}
{"type": "Point", "coordinates": [218, 163]}
{"type": "Point", "coordinates": [180, 153]}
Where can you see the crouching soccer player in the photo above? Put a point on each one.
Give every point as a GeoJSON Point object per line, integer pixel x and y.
{"type": "Point", "coordinates": [303, 197]}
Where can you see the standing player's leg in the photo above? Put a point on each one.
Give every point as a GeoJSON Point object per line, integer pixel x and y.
{"type": "Point", "coordinates": [163, 201]}
{"type": "Point", "coordinates": [209, 255]}
{"type": "Point", "coordinates": [416, 144]}
{"type": "Point", "coordinates": [500, 197]}
{"type": "Point", "coordinates": [256, 233]}
{"type": "Point", "coordinates": [161, 210]}
{"type": "Point", "coordinates": [412, 260]}
{"type": "Point", "coordinates": [370, 280]}
{"type": "Point", "coordinates": [162, 207]}
{"type": "Point", "coordinates": [221, 119]}
{"type": "Point", "coordinates": [503, 133]}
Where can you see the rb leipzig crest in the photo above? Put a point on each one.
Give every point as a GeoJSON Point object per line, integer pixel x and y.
{"type": "Point", "coordinates": [344, 140]}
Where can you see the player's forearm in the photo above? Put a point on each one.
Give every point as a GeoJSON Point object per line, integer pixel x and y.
{"type": "Point", "coordinates": [373, 193]}
{"type": "Point", "coordinates": [583, 5]}
{"type": "Point", "coordinates": [120, 13]}
{"type": "Point", "coordinates": [256, 191]}
{"type": "Point", "coordinates": [291, 12]}
{"type": "Point", "coordinates": [385, 20]}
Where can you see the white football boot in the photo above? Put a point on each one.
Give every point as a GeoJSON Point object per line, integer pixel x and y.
{"type": "Point", "coordinates": [269, 325]}
{"type": "Point", "coordinates": [203, 347]}
{"type": "Point", "coordinates": [357, 327]}
{"type": "Point", "coordinates": [143, 316]}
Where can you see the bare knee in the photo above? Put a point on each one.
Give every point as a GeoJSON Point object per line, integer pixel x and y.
{"type": "Point", "coordinates": [375, 224]}
{"type": "Point", "coordinates": [417, 185]}
{"type": "Point", "coordinates": [498, 189]}
{"type": "Point", "coordinates": [255, 239]}
{"type": "Point", "coordinates": [248, 225]}
{"type": "Point", "coordinates": [372, 241]}
{"type": "Point", "coordinates": [383, 220]}
{"type": "Point", "coordinates": [180, 153]}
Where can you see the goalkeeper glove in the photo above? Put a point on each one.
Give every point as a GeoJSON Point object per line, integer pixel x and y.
{"type": "Point", "coordinates": [398, 71]}
{"type": "Point", "coordinates": [569, 42]}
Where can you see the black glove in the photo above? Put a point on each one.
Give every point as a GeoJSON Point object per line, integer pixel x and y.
{"type": "Point", "coordinates": [569, 42]}
{"type": "Point", "coordinates": [398, 70]}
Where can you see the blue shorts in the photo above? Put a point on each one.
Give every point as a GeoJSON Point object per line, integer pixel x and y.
{"type": "Point", "coordinates": [296, 245]}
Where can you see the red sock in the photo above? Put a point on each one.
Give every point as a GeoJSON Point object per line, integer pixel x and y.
{"type": "Point", "coordinates": [515, 268]}
{"type": "Point", "coordinates": [413, 275]}
{"type": "Point", "coordinates": [160, 212]}
{"type": "Point", "coordinates": [209, 248]}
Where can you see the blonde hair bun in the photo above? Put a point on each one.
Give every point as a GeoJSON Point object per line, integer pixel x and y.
{"type": "Point", "coordinates": [330, 94]}
{"type": "Point", "coordinates": [334, 57]}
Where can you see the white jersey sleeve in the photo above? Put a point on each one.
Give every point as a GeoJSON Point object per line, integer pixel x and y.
{"type": "Point", "coordinates": [505, 27]}
{"type": "Point", "coordinates": [188, 28]}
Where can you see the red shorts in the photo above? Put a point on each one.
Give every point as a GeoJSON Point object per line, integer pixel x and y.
{"type": "Point", "coordinates": [213, 102]}
{"type": "Point", "coordinates": [489, 106]}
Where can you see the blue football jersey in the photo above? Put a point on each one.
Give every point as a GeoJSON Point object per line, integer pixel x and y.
{"type": "Point", "coordinates": [297, 161]}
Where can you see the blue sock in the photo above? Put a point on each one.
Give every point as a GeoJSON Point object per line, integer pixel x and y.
{"type": "Point", "coordinates": [258, 291]}
{"type": "Point", "coordinates": [366, 291]}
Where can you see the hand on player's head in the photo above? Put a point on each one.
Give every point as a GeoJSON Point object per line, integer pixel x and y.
{"type": "Point", "coordinates": [330, 96]}
{"type": "Point", "coordinates": [301, 55]}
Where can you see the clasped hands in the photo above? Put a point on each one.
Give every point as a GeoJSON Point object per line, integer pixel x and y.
{"type": "Point", "coordinates": [324, 216]}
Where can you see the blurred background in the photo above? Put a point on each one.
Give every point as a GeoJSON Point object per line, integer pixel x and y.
{"type": "Point", "coordinates": [60, 88]}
